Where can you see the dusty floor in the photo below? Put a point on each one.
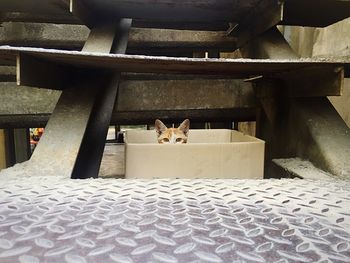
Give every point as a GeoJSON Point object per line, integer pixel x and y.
{"type": "Point", "coordinates": [112, 164]}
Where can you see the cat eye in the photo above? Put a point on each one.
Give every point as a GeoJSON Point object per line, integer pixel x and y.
{"type": "Point", "coordinates": [165, 140]}
{"type": "Point", "coordinates": [179, 140]}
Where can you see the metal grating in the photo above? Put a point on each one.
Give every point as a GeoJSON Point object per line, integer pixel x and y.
{"type": "Point", "coordinates": [53, 219]}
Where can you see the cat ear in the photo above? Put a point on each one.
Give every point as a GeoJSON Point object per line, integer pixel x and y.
{"type": "Point", "coordinates": [185, 126]}
{"type": "Point", "coordinates": [159, 126]}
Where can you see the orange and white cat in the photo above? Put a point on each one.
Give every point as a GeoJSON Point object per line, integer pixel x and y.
{"type": "Point", "coordinates": [172, 135]}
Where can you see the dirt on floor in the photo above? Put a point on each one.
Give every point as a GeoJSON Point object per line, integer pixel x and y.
{"type": "Point", "coordinates": [112, 164]}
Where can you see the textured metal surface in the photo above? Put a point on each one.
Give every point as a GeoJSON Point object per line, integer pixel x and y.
{"type": "Point", "coordinates": [54, 219]}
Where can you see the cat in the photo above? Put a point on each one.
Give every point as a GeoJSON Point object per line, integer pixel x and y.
{"type": "Point", "coordinates": [172, 135]}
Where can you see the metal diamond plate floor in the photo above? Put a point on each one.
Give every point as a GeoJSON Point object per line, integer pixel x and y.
{"type": "Point", "coordinates": [49, 219]}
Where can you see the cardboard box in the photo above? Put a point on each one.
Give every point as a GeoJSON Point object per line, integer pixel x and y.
{"type": "Point", "coordinates": [208, 154]}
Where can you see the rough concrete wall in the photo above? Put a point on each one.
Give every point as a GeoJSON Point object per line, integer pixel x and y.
{"type": "Point", "coordinates": [333, 40]}
{"type": "Point", "coordinates": [342, 103]}
{"type": "Point", "coordinates": [33, 100]}
{"type": "Point", "coordinates": [184, 94]}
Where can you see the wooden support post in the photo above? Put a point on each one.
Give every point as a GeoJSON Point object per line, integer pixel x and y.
{"type": "Point", "coordinates": [309, 128]}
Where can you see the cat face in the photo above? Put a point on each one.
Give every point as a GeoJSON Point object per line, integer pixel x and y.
{"type": "Point", "coordinates": [172, 135]}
